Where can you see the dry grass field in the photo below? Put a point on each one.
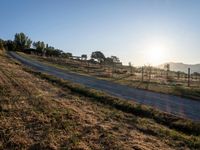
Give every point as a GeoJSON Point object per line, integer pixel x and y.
{"type": "Point", "coordinates": [36, 113]}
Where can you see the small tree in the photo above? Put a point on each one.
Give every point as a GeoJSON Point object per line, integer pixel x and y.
{"type": "Point", "coordinates": [109, 61]}
{"type": "Point", "coordinates": [49, 50]}
{"type": "Point", "coordinates": [57, 53]}
{"type": "Point", "coordinates": [22, 41]}
{"type": "Point", "coordinates": [66, 55]}
{"type": "Point", "coordinates": [167, 67]}
{"type": "Point", "coordinates": [115, 59]}
{"type": "Point", "coordinates": [99, 56]}
{"type": "Point", "coordinates": [84, 57]}
{"type": "Point", "coordinates": [10, 45]}
{"type": "Point", "coordinates": [40, 47]}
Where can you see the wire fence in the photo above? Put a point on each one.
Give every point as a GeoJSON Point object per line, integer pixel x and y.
{"type": "Point", "coordinates": [129, 73]}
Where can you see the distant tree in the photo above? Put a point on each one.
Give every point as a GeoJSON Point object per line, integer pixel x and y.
{"type": "Point", "coordinates": [167, 67]}
{"type": "Point", "coordinates": [10, 45]}
{"type": "Point", "coordinates": [99, 56]}
{"type": "Point", "coordinates": [84, 57]}
{"type": "Point", "coordinates": [109, 61]}
{"type": "Point", "coordinates": [92, 61]}
{"type": "Point", "coordinates": [115, 59]}
{"type": "Point", "coordinates": [129, 64]}
{"type": "Point", "coordinates": [49, 50]}
{"type": "Point", "coordinates": [1, 44]}
{"type": "Point", "coordinates": [66, 55]}
{"type": "Point", "coordinates": [22, 41]}
{"type": "Point", "coordinates": [57, 53]}
{"type": "Point", "coordinates": [40, 47]}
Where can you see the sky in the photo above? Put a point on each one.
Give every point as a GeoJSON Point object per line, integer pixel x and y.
{"type": "Point", "coordinates": [137, 31]}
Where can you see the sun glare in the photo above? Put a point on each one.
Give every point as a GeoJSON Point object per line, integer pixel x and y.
{"type": "Point", "coordinates": [155, 53]}
{"type": "Point", "coordinates": [155, 56]}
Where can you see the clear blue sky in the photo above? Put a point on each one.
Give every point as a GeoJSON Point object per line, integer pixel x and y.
{"type": "Point", "coordinates": [130, 29]}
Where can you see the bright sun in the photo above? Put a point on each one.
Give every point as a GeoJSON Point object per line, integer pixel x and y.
{"type": "Point", "coordinates": [155, 56]}
{"type": "Point", "coordinates": [155, 53]}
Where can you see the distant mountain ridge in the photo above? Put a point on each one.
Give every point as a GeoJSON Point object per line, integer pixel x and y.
{"type": "Point", "coordinates": [182, 67]}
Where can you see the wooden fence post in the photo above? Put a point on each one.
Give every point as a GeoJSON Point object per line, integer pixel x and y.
{"type": "Point", "coordinates": [149, 73]}
{"type": "Point", "coordinates": [142, 74]}
{"type": "Point", "coordinates": [88, 65]}
{"type": "Point", "coordinates": [113, 69]}
{"type": "Point", "coordinates": [188, 77]}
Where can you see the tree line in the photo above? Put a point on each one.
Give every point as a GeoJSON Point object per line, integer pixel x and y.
{"type": "Point", "coordinates": [24, 44]}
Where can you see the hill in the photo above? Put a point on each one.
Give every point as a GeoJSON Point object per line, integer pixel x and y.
{"type": "Point", "coordinates": [38, 111]}
{"type": "Point", "coordinates": [182, 67]}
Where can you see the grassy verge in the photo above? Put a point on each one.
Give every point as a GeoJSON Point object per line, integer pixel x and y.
{"type": "Point", "coordinates": [67, 68]}
{"type": "Point", "coordinates": [179, 124]}
{"type": "Point", "coordinates": [177, 90]}
{"type": "Point", "coordinates": [187, 92]}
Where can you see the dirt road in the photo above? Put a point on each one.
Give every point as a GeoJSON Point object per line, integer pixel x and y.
{"type": "Point", "coordinates": [172, 104]}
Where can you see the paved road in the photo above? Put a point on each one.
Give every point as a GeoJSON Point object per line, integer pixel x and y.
{"type": "Point", "coordinates": [172, 104]}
